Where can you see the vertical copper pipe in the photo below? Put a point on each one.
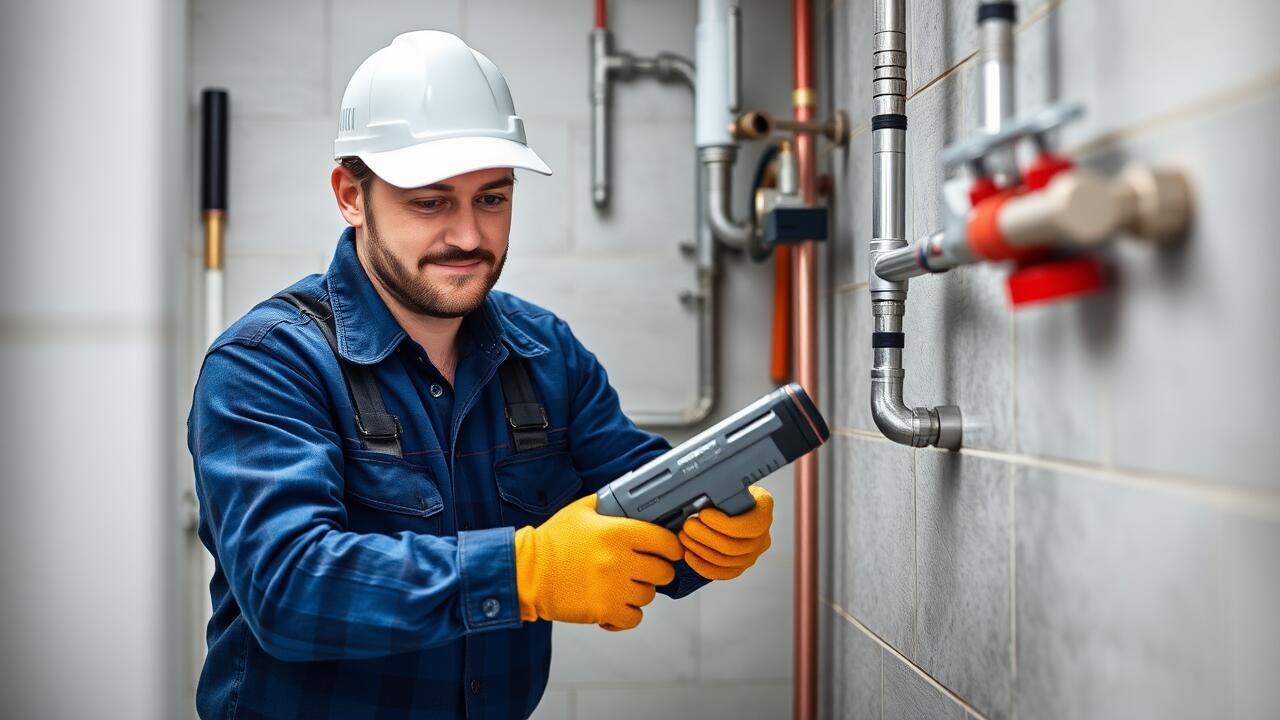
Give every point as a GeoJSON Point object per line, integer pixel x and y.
{"type": "Point", "coordinates": [804, 258]}
{"type": "Point", "coordinates": [602, 16]}
{"type": "Point", "coordinates": [780, 357]}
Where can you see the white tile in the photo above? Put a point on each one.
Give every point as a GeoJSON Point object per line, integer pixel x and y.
{"type": "Point", "coordinates": [1118, 601]}
{"type": "Point", "coordinates": [662, 649]}
{"type": "Point", "coordinates": [279, 199]}
{"type": "Point", "coordinates": [541, 49]}
{"type": "Point", "coordinates": [361, 27]}
{"type": "Point", "coordinates": [652, 207]}
{"type": "Point", "coordinates": [761, 599]}
{"type": "Point", "coordinates": [555, 705]}
{"type": "Point", "coordinates": [541, 223]}
{"type": "Point", "coordinates": [251, 279]}
{"type": "Point", "coordinates": [738, 701]}
{"type": "Point", "coordinates": [963, 574]}
{"type": "Point", "coordinates": [272, 57]}
{"type": "Point", "coordinates": [598, 297]}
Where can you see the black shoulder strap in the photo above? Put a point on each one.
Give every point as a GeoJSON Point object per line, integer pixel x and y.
{"type": "Point", "coordinates": [525, 415]}
{"type": "Point", "coordinates": [379, 430]}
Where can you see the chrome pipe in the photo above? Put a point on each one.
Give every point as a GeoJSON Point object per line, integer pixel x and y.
{"type": "Point", "coordinates": [706, 298]}
{"type": "Point", "coordinates": [600, 71]}
{"type": "Point", "coordinates": [917, 427]}
{"type": "Point", "coordinates": [718, 162]}
{"type": "Point", "coordinates": [996, 61]}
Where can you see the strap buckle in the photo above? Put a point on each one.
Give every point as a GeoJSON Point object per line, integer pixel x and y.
{"type": "Point", "coordinates": [532, 416]}
{"type": "Point", "coordinates": [383, 426]}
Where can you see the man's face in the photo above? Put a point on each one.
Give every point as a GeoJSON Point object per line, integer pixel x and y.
{"type": "Point", "coordinates": [439, 249]}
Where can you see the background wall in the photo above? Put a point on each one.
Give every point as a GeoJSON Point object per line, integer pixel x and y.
{"type": "Point", "coordinates": [94, 194]}
{"type": "Point", "coordinates": [725, 652]}
{"type": "Point", "coordinates": [1107, 544]}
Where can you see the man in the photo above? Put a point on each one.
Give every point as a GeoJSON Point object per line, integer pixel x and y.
{"type": "Point", "coordinates": [396, 465]}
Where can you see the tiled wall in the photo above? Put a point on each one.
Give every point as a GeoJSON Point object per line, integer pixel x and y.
{"type": "Point", "coordinates": [1107, 545]}
{"type": "Point", "coordinates": [615, 277]}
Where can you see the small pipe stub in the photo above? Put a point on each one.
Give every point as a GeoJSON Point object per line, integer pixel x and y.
{"type": "Point", "coordinates": [758, 125]}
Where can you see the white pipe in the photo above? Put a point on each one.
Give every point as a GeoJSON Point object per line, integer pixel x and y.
{"type": "Point", "coordinates": [712, 41]}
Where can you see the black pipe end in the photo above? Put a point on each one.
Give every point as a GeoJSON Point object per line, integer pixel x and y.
{"type": "Point", "coordinates": [214, 107]}
{"type": "Point", "coordinates": [1003, 10]}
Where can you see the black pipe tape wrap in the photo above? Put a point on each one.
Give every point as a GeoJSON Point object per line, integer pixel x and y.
{"type": "Point", "coordinates": [889, 121]}
{"type": "Point", "coordinates": [997, 11]}
{"type": "Point", "coordinates": [888, 340]}
{"type": "Point", "coordinates": [213, 150]}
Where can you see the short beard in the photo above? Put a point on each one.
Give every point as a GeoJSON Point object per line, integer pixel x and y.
{"type": "Point", "coordinates": [413, 291]}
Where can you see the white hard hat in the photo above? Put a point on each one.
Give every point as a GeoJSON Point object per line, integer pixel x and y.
{"type": "Point", "coordinates": [426, 108]}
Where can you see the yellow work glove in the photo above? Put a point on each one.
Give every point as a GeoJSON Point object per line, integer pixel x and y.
{"type": "Point", "coordinates": [719, 546]}
{"type": "Point", "coordinates": [583, 567]}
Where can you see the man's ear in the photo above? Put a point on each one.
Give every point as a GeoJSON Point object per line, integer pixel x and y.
{"type": "Point", "coordinates": [346, 190]}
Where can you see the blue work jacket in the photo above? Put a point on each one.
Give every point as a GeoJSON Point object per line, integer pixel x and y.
{"type": "Point", "coordinates": [351, 584]}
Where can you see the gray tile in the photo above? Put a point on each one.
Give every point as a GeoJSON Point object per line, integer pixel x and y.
{"type": "Point", "coordinates": [879, 538]}
{"type": "Point", "coordinates": [1253, 592]}
{"type": "Point", "coordinates": [854, 679]}
{"type": "Point", "coordinates": [1061, 382]}
{"type": "Point", "coordinates": [1117, 601]}
{"type": "Point", "coordinates": [963, 575]}
{"type": "Point", "coordinates": [852, 371]}
{"type": "Point", "coordinates": [271, 56]}
{"type": "Point", "coordinates": [738, 701]}
{"type": "Point", "coordinates": [361, 27]}
{"type": "Point", "coordinates": [959, 351]}
{"type": "Point", "coordinates": [939, 35]}
{"type": "Point", "coordinates": [958, 325]}
{"type": "Point", "coordinates": [1151, 68]}
{"type": "Point", "coordinates": [1178, 308]}
{"type": "Point", "coordinates": [908, 696]}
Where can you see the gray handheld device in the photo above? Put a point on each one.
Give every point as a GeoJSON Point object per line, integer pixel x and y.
{"type": "Point", "coordinates": [715, 467]}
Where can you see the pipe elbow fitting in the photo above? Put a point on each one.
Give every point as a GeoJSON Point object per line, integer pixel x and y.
{"type": "Point", "coordinates": [894, 419]}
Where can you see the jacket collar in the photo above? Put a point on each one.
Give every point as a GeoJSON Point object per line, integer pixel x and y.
{"type": "Point", "coordinates": [368, 332]}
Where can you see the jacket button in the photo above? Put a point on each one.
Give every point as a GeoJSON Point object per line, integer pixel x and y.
{"type": "Point", "coordinates": [491, 608]}
{"type": "Point", "coordinates": [475, 687]}
{"type": "Point", "coordinates": [436, 391]}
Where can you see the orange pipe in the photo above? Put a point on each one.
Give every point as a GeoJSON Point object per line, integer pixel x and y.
{"type": "Point", "coordinates": [780, 358]}
{"type": "Point", "coordinates": [805, 306]}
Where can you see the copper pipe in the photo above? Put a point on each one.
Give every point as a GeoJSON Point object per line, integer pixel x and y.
{"type": "Point", "coordinates": [804, 258]}
{"type": "Point", "coordinates": [602, 17]}
{"type": "Point", "coordinates": [759, 125]}
{"type": "Point", "coordinates": [780, 358]}
{"type": "Point", "coordinates": [213, 253]}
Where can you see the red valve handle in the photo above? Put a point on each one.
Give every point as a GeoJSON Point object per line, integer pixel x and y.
{"type": "Point", "coordinates": [1054, 280]}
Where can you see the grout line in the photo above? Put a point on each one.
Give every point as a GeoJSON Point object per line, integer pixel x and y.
{"type": "Point", "coordinates": [915, 554]}
{"type": "Point", "coordinates": [661, 684]}
{"type": "Point", "coordinates": [884, 646]}
{"type": "Point", "coordinates": [850, 287]}
{"type": "Point", "coordinates": [1256, 502]}
{"type": "Point", "coordinates": [1013, 590]}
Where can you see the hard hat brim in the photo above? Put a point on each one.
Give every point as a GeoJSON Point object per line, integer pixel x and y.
{"type": "Point", "coordinates": [431, 162]}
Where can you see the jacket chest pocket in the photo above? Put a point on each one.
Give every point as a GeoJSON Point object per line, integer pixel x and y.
{"type": "Point", "coordinates": [533, 486]}
{"type": "Point", "coordinates": [390, 496]}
